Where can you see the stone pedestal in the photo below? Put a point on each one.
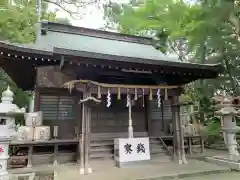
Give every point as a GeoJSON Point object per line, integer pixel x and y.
{"type": "Point", "coordinates": [131, 151]}
{"type": "Point", "coordinates": [4, 155]}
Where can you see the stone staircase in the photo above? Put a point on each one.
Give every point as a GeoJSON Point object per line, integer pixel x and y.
{"type": "Point", "coordinates": [158, 151]}
{"type": "Point", "coordinates": [101, 153]}
{"type": "Point", "coordinates": [103, 150]}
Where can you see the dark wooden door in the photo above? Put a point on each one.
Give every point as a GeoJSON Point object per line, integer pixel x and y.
{"type": "Point", "coordinates": [159, 118]}
{"type": "Point", "coordinates": [115, 118]}
{"type": "Point", "coordinates": [59, 110]}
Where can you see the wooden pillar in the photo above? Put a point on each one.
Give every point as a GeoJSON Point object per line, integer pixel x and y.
{"type": "Point", "coordinates": [190, 145]}
{"type": "Point", "coordinates": [202, 144]}
{"type": "Point", "coordinates": [85, 140]}
{"type": "Point", "coordinates": [130, 127]}
{"type": "Point", "coordinates": [147, 117]}
{"type": "Point", "coordinates": [164, 124]}
{"type": "Point", "coordinates": [30, 153]}
{"type": "Point", "coordinates": [176, 130]}
{"type": "Point", "coordinates": [82, 141]}
{"type": "Point", "coordinates": [181, 128]}
{"type": "Point", "coordinates": [86, 131]}
{"type": "Point", "coordinates": [88, 169]}
{"type": "Point", "coordinates": [55, 162]}
{"type": "Point", "coordinates": [36, 100]}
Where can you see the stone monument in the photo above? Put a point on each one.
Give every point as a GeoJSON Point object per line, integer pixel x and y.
{"type": "Point", "coordinates": [227, 110]}
{"type": "Point", "coordinates": [8, 111]}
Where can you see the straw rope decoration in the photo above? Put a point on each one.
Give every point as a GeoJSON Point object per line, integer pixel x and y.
{"type": "Point", "coordinates": [71, 84]}
{"type": "Point", "coordinates": [166, 95]}
{"type": "Point", "coordinates": [143, 96]}
{"type": "Point", "coordinates": [159, 98]}
{"type": "Point", "coordinates": [99, 92]}
{"type": "Point", "coordinates": [108, 98]}
{"type": "Point", "coordinates": [150, 95]}
{"type": "Point", "coordinates": [119, 94]}
{"type": "Point", "coordinates": [135, 94]}
{"type": "Point", "coordinates": [128, 98]}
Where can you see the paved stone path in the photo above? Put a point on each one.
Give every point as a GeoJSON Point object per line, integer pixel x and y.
{"type": "Point", "coordinates": [222, 176]}
{"type": "Point", "coordinates": [158, 169]}
{"type": "Point", "coordinates": [153, 171]}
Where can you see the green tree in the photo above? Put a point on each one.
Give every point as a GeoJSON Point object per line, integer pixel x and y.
{"type": "Point", "coordinates": [206, 31]}
{"type": "Point", "coordinates": [18, 24]}
{"type": "Point", "coordinates": [194, 31]}
{"type": "Point", "coordinates": [18, 20]}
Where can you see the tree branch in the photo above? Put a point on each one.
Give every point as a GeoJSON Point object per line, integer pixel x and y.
{"type": "Point", "coordinates": [178, 51]}
{"type": "Point", "coordinates": [63, 4]}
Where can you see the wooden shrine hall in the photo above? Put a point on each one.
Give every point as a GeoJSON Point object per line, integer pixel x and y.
{"type": "Point", "coordinates": [115, 71]}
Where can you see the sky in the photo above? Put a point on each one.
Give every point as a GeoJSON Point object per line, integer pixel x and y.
{"type": "Point", "coordinates": [92, 16]}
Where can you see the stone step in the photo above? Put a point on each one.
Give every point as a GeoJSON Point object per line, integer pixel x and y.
{"type": "Point", "coordinates": [154, 140]}
{"type": "Point", "coordinates": [102, 149]}
{"type": "Point", "coordinates": [107, 147]}
{"type": "Point", "coordinates": [156, 145]}
{"type": "Point", "coordinates": [102, 141]}
{"type": "Point", "coordinates": [157, 150]}
{"type": "Point", "coordinates": [160, 158]}
{"type": "Point", "coordinates": [99, 155]}
{"type": "Point", "coordinates": [99, 143]}
{"type": "Point", "coordinates": [100, 163]}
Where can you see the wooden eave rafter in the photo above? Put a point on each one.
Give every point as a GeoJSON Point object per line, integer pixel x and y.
{"type": "Point", "coordinates": [216, 68]}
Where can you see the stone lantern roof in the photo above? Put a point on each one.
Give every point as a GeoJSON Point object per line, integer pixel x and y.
{"type": "Point", "coordinates": [7, 106]}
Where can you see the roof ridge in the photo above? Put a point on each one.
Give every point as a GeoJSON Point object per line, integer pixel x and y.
{"type": "Point", "coordinates": [63, 28]}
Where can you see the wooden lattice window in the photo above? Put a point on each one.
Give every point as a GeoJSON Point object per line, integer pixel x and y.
{"type": "Point", "coordinates": [57, 107]}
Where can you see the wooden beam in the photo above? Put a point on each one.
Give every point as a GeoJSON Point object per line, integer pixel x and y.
{"type": "Point", "coordinates": [170, 76]}
{"type": "Point", "coordinates": [94, 91]}
{"type": "Point", "coordinates": [73, 83]}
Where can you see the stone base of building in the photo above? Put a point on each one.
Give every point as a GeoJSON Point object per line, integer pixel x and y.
{"type": "Point", "coordinates": [223, 161]}
{"type": "Point", "coordinates": [132, 164]}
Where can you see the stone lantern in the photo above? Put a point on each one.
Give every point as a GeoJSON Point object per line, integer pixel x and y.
{"type": "Point", "coordinates": [227, 111]}
{"type": "Point", "coordinates": [8, 111]}
{"type": "Point", "coordinates": [229, 127]}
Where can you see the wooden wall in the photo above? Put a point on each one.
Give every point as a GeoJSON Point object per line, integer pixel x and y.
{"type": "Point", "coordinates": [104, 120]}
{"type": "Point", "coordinates": [115, 118]}
{"type": "Point", "coordinates": [60, 109]}
{"type": "Point", "coordinates": [159, 117]}
{"type": "Point", "coordinates": [51, 76]}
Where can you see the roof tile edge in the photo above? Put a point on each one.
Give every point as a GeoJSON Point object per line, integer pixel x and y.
{"type": "Point", "coordinates": [63, 28]}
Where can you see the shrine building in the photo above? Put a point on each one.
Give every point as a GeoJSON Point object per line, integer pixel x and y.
{"type": "Point", "coordinates": [117, 71]}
